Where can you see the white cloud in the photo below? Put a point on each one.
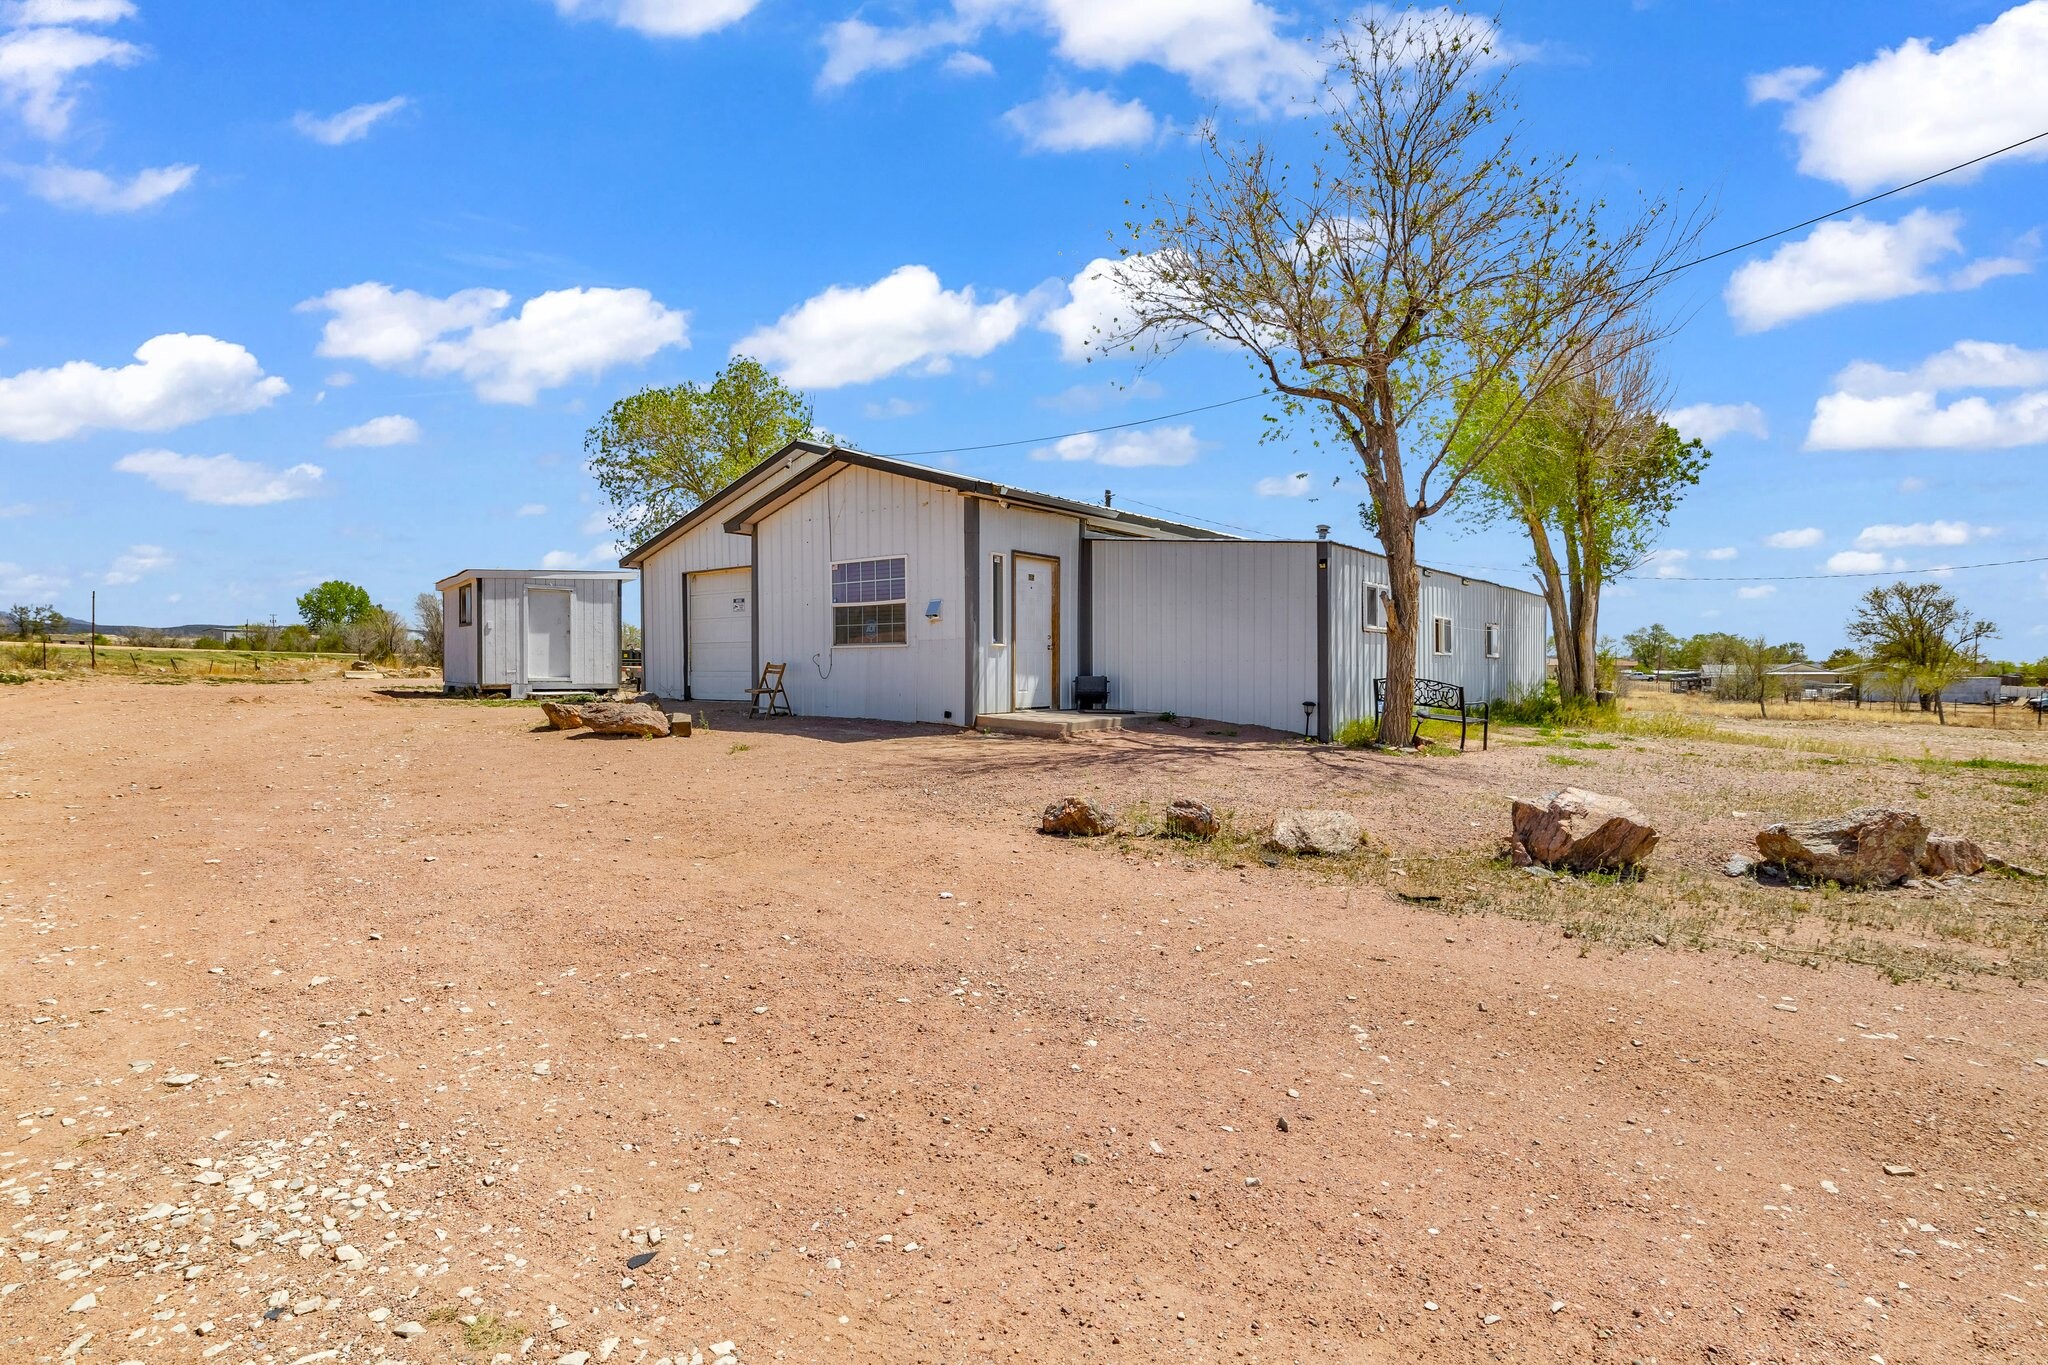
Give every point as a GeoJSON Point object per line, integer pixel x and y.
{"type": "Point", "coordinates": [1284, 486]}
{"type": "Point", "coordinates": [1785, 84]}
{"type": "Point", "coordinates": [604, 555]}
{"type": "Point", "coordinates": [532, 509]}
{"type": "Point", "coordinates": [891, 408]}
{"type": "Point", "coordinates": [1920, 107]}
{"type": "Point", "coordinates": [1667, 563]}
{"type": "Point", "coordinates": [77, 187]}
{"type": "Point", "coordinates": [1805, 538]}
{"type": "Point", "coordinates": [1712, 421]}
{"type": "Point", "coordinates": [340, 379]}
{"type": "Point", "coordinates": [1098, 305]}
{"type": "Point", "coordinates": [904, 321]}
{"type": "Point", "coordinates": [1856, 261]}
{"type": "Point", "coordinates": [350, 125]}
{"type": "Point", "coordinates": [9, 510]}
{"type": "Point", "coordinates": [1167, 447]}
{"type": "Point", "coordinates": [1919, 533]}
{"type": "Point", "coordinates": [1756, 592]}
{"type": "Point", "coordinates": [968, 64]}
{"type": "Point", "coordinates": [1875, 408]}
{"type": "Point", "coordinates": [1235, 51]}
{"type": "Point", "coordinates": [1862, 561]}
{"type": "Point", "coordinates": [1912, 484]}
{"type": "Point", "coordinates": [661, 18]}
{"type": "Point", "coordinates": [177, 378]}
{"type": "Point", "coordinates": [39, 65]}
{"type": "Point", "coordinates": [1081, 121]}
{"type": "Point", "coordinates": [554, 338]}
{"type": "Point", "coordinates": [598, 522]}
{"type": "Point", "coordinates": [378, 431]}
{"type": "Point", "coordinates": [1719, 553]}
{"type": "Point", "coordinates": [17, 582]}
{"type": "Point", "coordinates": [130, 567]}
{"type": "Point", "coordinates": [222, 480]}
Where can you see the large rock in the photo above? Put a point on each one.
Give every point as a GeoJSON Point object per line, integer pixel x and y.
{"type": "Point", "coordinates": [1951, 855]}
{"type": "Point", "coordinates": [1875, 846]}
{"type": "Point", "coordinates": [1191, 820]}
{"type": "Point", "coordinates": [1075, 815]}
{"type": "Point", "coordinates": [1328, 832]}
{"type": "Point", "coordinates": [608, 718]}
{"type": "Point", "coordinates": [1580, 831]}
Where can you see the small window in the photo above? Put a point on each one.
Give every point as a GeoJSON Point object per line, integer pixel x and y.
{"type": "Point", "coordinates": [1443, 634]}
{"type": "Point", "coordinates": [1493, 639]}
{"type": "Point", "coordinates": [995, 615]}
{"type": "Point", "coordinates": [463, 610]}
{"type": "Point", "coordinates": [1375, 607]}
{"type": "Point", "coordinates": [868, 602]}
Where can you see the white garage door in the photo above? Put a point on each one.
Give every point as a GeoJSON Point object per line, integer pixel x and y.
{"type": "Point", "coordinates": [721, 634]}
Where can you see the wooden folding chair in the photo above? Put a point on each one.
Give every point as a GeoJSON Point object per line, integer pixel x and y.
{"type": "Point", "coordinates": [770, 687]}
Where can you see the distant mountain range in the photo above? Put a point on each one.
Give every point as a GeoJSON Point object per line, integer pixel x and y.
{"type": "Point", "coordinates": [75, 626]}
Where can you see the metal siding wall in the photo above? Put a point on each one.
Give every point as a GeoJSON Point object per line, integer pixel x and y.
{"type": "Point", "coordinates": [1221, 630]}
{"type": "Point", "coordinates": [661, 597]}
{"type": "Point", "coordinates": [458, 644]}
{"type": "Point", "coordinates": [1005, 531]}
{"type": "Point", "coordinates": [1357, 655]}
{"type": "Point", "coordinates": [1471, 605]}
{"type": "Point", "coordinates": [501, 609]}
{"type": "Point", "coordinates": [865, 514]}
{"type": "Point", "coordinates": [594, 632]}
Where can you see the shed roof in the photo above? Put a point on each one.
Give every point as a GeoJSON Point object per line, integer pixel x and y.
{"type": "Point", "coordinates": [465, 575]}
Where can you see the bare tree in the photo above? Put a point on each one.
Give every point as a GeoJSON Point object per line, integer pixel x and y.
{"type": "Point", "coordinates": [427, 610]}
{"type": "Point", "coordinates": [1422, 261]}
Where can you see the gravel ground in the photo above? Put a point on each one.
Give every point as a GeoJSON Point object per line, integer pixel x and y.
{"type": "Point", "coordinates": [350, 1026]}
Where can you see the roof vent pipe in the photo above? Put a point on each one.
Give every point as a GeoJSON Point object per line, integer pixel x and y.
{"type": "Point", "coordinates": [1322, 533]}
{"type": "Point", "coordinates": [1108, 497]}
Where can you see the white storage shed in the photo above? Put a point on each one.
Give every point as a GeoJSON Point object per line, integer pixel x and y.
{"type": "Point", "coordinates": [531, 630]}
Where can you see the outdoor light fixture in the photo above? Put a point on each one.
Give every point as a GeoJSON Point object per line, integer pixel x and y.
{"type": "Point", "coordinates": [1308, 709]}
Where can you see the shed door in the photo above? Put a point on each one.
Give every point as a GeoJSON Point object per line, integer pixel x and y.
{"type": "Point", "coordinates": [1035, 591]}
{"type": "Point", "coordinates": [547, 635]}
{"type": "Point", "coordinates": [721, 644]}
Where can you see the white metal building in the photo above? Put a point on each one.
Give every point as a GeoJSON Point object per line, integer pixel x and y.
{"type": "Point", "coordinates": [898, 592]}
{"type": "Point", "coordinates": [531, 630]}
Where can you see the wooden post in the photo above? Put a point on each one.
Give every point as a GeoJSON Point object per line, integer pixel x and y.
{"type": "Point", "coordinates": [92, 639]}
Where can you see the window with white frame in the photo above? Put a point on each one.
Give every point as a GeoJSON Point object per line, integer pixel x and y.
{"type": "Point", "coordinates": [463, 609]}
{"type": "Point", "coordinates": [1493, 639]}
{"type": "Point", "coordinates": [867, 602]}
{"type": "Point", "coordinates": [1375, 607]}
{"type": "Point", "coordinates": [1443, 634]}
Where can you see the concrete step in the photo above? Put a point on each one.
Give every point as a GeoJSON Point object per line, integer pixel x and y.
{"type": "Point", "coordinates": [1048, 724]}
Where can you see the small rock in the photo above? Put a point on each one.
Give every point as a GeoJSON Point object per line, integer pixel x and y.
{"type": "Point", "coordinates": [1075, 816]}
{"type": "Point", "coordinates": [409, 1330]}
{"type": "Point", "coordinates": [1191, 820]}
{"type": "Point", "coordinates": [574, 1358]}
{"type": "Point", "coordinates": [1325, 833]}
{"type": "Point", "coordinates": [84, 1302]}
{"type": "Point", "coordinates": [1739, 866]}
{"type": "Point", "coordinates": [1898, 1168]}
{"type": "Point", "coordinates": [179, 1080]}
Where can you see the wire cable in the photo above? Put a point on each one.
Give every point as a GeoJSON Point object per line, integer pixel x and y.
{"type": "Point", "coordinates": [1659, 274]}
{"type": "Point", "coordinates": [1852, 573]}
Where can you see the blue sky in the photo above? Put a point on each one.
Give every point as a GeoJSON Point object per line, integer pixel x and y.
{"type": "Point", "coordinates": [384, 263]}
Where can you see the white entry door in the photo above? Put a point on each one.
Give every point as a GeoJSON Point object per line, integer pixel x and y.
{"type": "Point", "coordinates": [721, 636]}
{"type": "Point", "coordinates": [1035, 650]}
{"type": "Point", "coordinates": [547, 635]}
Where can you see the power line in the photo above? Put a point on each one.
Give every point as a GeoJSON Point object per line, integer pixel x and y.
{"type": "Point", "coordinates": [1659, 274]}
{"type": "Point", "coordinates": [1855, 573]}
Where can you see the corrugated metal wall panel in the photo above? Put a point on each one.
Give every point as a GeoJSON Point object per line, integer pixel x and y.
{"type": "Point", "coordinates": [866, 514]}
{"type": "Point", "coordinates": [458, 643]}
{"type": "Point", "coordinates": [661, 597]}
{"type": "Point", "coordinates": [1005, 531]}
{"type": "Point", "coordinates": [1225, 630]}
{"type": "Point", "coordinates": [502, 604]}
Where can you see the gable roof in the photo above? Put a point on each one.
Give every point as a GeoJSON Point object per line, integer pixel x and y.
{"type": "Point", "coordinates": [743, 500]}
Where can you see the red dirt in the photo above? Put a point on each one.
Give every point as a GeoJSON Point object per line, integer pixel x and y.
{"type": "Point", "coordinates": [1060, 1073]}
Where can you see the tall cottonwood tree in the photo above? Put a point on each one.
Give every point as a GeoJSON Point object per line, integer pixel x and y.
{"type": "Point", "coordinates": [1420, 259]}
{"type": "Point", "coordinates": [1918, 635]}
{"type": "Point", "coordinates": [662, 451]}
{"type": "Point", "coordinates": [1590, 474]}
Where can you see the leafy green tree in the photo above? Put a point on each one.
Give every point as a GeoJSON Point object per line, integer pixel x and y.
{"type": "Point", "coordinates": [1651, 647]}
{"type": "Point", "coordinates": [334, 603]}
{"type": "Point", "coordinates": [660, 452]}
{"type": "Point", "coordinates": [1918, 635]}
{"type": "Point", "coordinates": [1419, 259]}
{"type": "Point", "coordinates": [1842, 660]}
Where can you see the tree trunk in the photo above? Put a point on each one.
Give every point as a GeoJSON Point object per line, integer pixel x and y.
{"type": "Point", "coordinates": [1553, 596]}
{"type": "Point", "coordinates": [1404, 579]}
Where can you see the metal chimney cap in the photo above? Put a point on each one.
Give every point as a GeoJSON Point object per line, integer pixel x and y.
{"type": "Point", "coordinates": [1322, 532]}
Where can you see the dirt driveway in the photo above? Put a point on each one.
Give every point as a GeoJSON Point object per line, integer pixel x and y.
{"type": "Point", "coordinates": [352, 1027]}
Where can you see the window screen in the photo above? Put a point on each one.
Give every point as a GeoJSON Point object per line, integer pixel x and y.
{"type": "Point", "coordinates": [1443, 634]}
{"type": "Point", "coordinates": [868, 602]}
{"type": "Point", "coordinates": [1493, 640]}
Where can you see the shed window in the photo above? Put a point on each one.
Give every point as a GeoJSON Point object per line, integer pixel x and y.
{"type": "Point", "coordinates": [1443, 634]}
{"type": "Point", "coordinates": [995, 614]}
{"type": "Point", "coordinates": [463, 609]}
{"type": "Point", "coordinates": [867, 602]}
{"type": "Point", "coordinates": [1493, 639]}
{"type": "Point", "coordinates": [1375, 607]}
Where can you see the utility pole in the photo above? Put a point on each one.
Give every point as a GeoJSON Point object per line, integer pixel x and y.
{"type": "Point", "coordinates": [92, 639]}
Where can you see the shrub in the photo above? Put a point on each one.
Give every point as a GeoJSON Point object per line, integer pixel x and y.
{"type": "Point", "coordinates": [1544, 706]}
{"type": "Point", "coordinates": [206, 642]}
{"type": "Point", "coordinates": [1359, 734]}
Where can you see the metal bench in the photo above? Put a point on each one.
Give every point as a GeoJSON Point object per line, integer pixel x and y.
{"type": "Point", "coordinates": [1438, 701]}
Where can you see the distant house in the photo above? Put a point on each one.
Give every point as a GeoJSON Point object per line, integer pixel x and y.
{"type": "Point", "coordinates": [894, 591]}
